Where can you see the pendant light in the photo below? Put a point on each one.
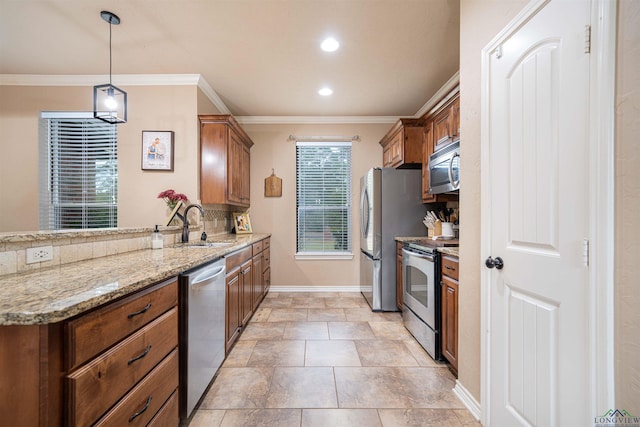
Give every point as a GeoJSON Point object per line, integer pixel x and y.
{"type": "Point", "coordinates": [110, 102]}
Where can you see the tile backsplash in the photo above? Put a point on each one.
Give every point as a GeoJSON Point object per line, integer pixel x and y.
{"type": "Point", "coordinates": [80, 245]}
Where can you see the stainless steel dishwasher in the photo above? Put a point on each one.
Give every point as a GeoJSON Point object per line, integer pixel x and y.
{"type": "Point", "coordinates": [202, 329]}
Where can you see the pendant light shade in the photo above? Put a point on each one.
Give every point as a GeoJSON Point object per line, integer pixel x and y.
{"type": "Point", "coordinates": [109, 101]}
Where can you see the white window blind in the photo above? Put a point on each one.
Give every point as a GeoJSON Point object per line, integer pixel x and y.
{"type": "Point", "coordinates": [78, 170]}
{"type": "Point", "coordinates": [323, 191]}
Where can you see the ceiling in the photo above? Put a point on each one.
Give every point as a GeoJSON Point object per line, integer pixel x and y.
{"type": "Point", "coordinates": [261, 57]}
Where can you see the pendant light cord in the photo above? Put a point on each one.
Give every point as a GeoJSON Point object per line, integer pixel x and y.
{"type": "Point", "coordinates": [110, 54]}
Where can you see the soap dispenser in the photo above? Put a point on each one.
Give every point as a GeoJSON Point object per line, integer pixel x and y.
{"type": "Point", "coordinates": [156, 239]}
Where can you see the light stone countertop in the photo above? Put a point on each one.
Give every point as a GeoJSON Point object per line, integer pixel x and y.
{"type": "Point", "coordinates": [54, 294]}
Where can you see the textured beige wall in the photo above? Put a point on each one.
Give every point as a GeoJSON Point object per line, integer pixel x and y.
{"type": "Point", "coordinates": [277, 215]}
{"type": "Point", "coordinates": [627, 267]}
{"type": "Point", "coordinates": [150, 108]}
{"type": "Point", "coordinates": [480, 21]}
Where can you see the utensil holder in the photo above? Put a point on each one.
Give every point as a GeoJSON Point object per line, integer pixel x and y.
{"type": "Point", "coordinates": [447, 229]}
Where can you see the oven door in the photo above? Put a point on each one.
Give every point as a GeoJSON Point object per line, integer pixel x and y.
{"type": "Point", "coordinates": [419, 285]}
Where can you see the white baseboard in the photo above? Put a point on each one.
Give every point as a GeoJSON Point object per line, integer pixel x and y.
{"type": "Point", "coordinates": [469, 401]}
{"type": "Point", "coordinates": [314, 289]}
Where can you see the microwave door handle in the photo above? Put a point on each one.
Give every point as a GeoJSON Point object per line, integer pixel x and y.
{"type": "Point", "coordinates": [456, 184]}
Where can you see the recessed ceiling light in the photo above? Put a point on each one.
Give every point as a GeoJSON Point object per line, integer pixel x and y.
{"type": "Point", "coordinates": [325, 91]}
{"type": "Point", "coordinates": [330, 45]}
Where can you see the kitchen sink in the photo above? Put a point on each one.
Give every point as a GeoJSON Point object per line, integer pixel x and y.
{"type": "Point", "coordinates": [204, 245]}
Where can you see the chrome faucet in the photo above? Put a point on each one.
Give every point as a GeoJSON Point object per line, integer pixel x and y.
{"type": "Point", "coordinates": [185, 223]}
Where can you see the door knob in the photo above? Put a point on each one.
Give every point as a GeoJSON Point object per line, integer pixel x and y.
{"type": "Point", "coordinates": [497, 262]}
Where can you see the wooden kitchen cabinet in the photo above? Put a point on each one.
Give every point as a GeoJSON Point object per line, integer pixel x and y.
{"type": "Point", "coordinates": [399, 275]}
{"type": "Point", "coordinates": [446, 124]}
{"type": "Point", "coordinates": [261, 271]}
{"type": "Point", "coordinates": [96, 362]}
{"type": "Point", "coordinates": [224, 161]}
{"type": "Point", "coordinates": [122, 355]}
{"type": "Point", "coordinates": [441, 128]}
{"type": "Point", "coordinates": [450, 310]}
{"type": "Point", "coordinates": [402, 145]}
{"type": "Point", "coordinates": [247, 283]}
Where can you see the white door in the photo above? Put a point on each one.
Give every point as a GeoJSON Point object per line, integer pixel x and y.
{"type": "Point", "coordinates": [539, 365]}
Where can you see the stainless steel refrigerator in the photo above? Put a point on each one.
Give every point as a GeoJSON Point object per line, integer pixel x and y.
{"type": "Point", "coordinates": [390, 206]}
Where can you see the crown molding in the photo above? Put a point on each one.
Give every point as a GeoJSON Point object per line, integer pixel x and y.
{"type": "Point", "coordinates": [206, 88]}
{"type": "Point", "coordinates": [118, 79]}
{"type": "Point", "coordinates": [93, 79]}
{"type": "Point", "coordinates": [199, 80]}
{"type": "Point", "coordinates": [440, 95]}
{"type": "Point", "coordinates": [272, 120]}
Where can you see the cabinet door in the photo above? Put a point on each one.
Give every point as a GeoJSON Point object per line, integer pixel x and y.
{"type": "Point", "coordinates": [213, 162]}
{"type": "Point", "coordinates": [450, 321]}
{"type": "Point", "coordinates": [455, 119]}
{"type": "Point", "coordinates": [257, 289]}
{"type": "Point", "coordinates": [442, 128]}
{"type": "Point", "coordinates": [246, 282]}
{"type": "Point", "coordinates": [245, 167]}
{"type": "Point", "coordinates": [426, 153]}
{"type": "Point", "coordinates": [234, 173]}
{"type": "Point", "coordinates": [232, 324]}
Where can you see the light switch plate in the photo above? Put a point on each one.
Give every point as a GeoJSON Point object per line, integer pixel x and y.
{"type": "Point", "coordinates": [42, 253]}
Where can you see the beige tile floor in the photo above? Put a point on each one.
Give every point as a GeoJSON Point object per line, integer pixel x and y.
{"type": "Point", "coordinates": [325, 359]}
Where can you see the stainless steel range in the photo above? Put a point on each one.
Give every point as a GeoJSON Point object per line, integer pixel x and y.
{"type": "Point", "coordinates": [421, 295]}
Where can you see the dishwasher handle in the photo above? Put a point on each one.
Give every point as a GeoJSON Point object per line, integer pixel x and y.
{"type": "Point", "coordinates": [207, 274]}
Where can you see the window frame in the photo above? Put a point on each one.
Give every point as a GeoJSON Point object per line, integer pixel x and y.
{"type": "Point", "coordinates": [346, 208]}
{"type": "Point", "coordinates": [54, 150]}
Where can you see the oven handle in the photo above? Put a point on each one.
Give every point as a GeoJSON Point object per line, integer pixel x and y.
{"type": "Point", "coordinates": [409, 252]}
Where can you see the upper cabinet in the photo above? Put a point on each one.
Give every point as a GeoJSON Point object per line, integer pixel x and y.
{"type": "Point", "coordinates": [224, 161]}
{"type": "Point", "coordinates": [402, 145]}
{"type": "Point", "coordinates": [441, 128]}
{"type": "Point", "coordinates": [446, 124]}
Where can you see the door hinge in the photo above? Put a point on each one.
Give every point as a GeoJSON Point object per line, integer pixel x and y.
{"type": "Point", "coordinates": [585, 252]}
{"type": "Point", "coordinates": [499, 52]}
{"type": "Point", "coordinates": [587, 39]}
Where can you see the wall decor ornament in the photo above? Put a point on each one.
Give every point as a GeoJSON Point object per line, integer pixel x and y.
{"type": "Point", "coordinates": [242, 223]}
{"type": "Point", "coordinates": [272, 185]}
{"type": "Point", "coordinates": [157, 150]}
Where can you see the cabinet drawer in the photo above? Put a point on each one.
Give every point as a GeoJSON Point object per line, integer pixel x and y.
{"type": "Point", "coordinates": [146, 398]}
{"type": "Point", "coordinates": [111, 374]}
{"type": "Point", "coordinates": [266, 243]}
{"type": "Point", "coordinates": [168, 415]}
{"type": "Point", "coordinates": [96, 331]}
{"type": "Point", "coordinates": [257, 248]}
{"type": "Point", "coordinates": [450, 267]}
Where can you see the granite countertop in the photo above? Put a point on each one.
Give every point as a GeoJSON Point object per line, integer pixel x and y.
{"type": "Point", "coordinates": [453, 251]}
{"type": "Point", "coordinates": [54, 294]}
{"type": "Point", "coordinates": [449, 247]}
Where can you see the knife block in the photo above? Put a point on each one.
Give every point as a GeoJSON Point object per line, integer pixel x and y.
{"type": "Point", "coordinates": [436, 230]}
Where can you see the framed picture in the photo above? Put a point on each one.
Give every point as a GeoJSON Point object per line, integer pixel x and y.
{"type": "Point", "coordinates": [242, 223]}
{"type": "Point", "coordinates": [157, 150]}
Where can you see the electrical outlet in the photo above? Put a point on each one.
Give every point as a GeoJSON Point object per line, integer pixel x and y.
{"type": "Point", "coordinates": [43, 253]}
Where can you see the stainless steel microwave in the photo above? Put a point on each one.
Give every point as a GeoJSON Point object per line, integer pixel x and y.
{"type": "Point", "coordinates": [444, 169]}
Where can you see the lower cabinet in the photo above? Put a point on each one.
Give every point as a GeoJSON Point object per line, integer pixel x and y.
{"type": "Point", "coordinates": [114, 365]}
{"type": "Point", "coordinates": [124, 360]}
{"type": "Point", "coordinates": [248, 280]}
{"type": "Point", "coordinates": [450, 310]}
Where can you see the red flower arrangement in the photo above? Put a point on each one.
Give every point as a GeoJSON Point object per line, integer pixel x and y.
{"type": "Point", "coordinates": [172, 198]}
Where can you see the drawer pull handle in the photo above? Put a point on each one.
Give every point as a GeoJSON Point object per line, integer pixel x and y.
{"type": "Point", "coordinates": [144, 310]}
{"type": "Point", "coordinates": [144, 353]}
{"type": "Point", "coordinates": [141, 411]}
{"type": "Point", "coordinates": [449, 268]}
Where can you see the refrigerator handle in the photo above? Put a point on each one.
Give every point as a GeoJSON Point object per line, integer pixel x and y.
{"type": "Point", "coordinates": [364, 213]}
